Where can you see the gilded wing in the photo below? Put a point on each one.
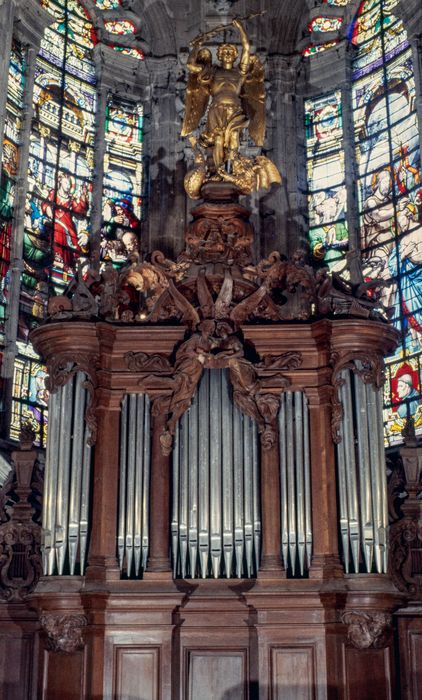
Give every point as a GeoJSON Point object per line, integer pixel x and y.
{"type": "Point", "coordinates": [253, 99]}
{"type": "Point", "coordinates": [196, 93]}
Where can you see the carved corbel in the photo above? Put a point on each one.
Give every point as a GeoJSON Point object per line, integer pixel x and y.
{"type": "Point", "coordinates": [64, 632]}
{"type": "Point", "coordinates": [370, 367]}
{"type": "Point", "coordinates": [367, 630]}
{"type": "Point", "coordinates": [63, 367]}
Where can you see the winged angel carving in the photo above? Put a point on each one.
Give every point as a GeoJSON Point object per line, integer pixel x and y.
{"type": "Point", "coordinates": [234, 95]}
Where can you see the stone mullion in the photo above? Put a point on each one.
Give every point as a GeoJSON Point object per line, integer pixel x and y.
{"type": "Point", "coordinates": [7, 12]}
{"type": "Point", "coordinates": [99, 153]}
{"type": "Point", "coordinates": [16, 263]}
{"type": "Point", "coordinates": [350, 166]}
{"type": "Point", "coordinates": [416, 44]}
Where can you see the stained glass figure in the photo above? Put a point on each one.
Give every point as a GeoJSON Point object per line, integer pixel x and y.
{"type": "Point", "coordinates": [57, 229]}
{"type": "Point", "coordinates": [326, 178]}
{"type": "Point", "coordinates": [123, 182]}
{"type": "Point", "coordinates": [390, 194]}
{"type": "Point", "coordinates": [9, 166]}
{"type": "Point", "coordinates": [29, 395]}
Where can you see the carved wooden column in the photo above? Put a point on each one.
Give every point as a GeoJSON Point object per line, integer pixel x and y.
{"type": "Point", "coordinates": [159, 560]}
{"type": "Point", "coordinates": [102, 560]}
{"type": "Point", "coordinates": [325, 559]}
{"type": "Point", "coordinates": [271, 564]}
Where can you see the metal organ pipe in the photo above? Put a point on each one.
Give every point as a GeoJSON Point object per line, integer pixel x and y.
{"type": "Point", "coordinates": [362, 476]}
{"type": "Point", "coordinates": [295, 481]}
{"type": "Point", "coordinates": [215, 486]}
{"type": "Point", "coordinates": [135, 455]}
{"type": "Point", "coordinates": [67, 480]}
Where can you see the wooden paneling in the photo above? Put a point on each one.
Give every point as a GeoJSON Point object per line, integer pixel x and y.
{"type": "Point", "coordinates": [136, 673]}
{"type": "Point", "coordinates": [416, 669]}
{"type": "Point", "coordinates": [63, 676]}
{"type": "Point", "coordinates": [216, 675]}
{"type": "Point", "coordinates": [368, 674]}
{"type": "Point", "coordinates": [293, 673]}
{"type": "Point", "coordinates": [15, 667]}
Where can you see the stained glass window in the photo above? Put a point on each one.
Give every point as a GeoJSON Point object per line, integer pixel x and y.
{"type": "Point", "coordinates": [318, 48]}
{"type": "Point", "coordinates": [390, 194]}
{"type": "Point", "coordinates": [29, 404]}
{"type": "Point", "coordinates": [123, 182]}
{"type": "Point", "coordinates": [325, 24]}
{"type": "Point", "coordinates": [57, 230]}
{"type": "Point", "coordinates": [9, 166]}
{"type": "Point", "coordinates": [120, 26]}
{"type": "Point", "coordinates": [326, 178]}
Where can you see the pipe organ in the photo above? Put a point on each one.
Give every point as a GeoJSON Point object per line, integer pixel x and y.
{"type": "Point", "coordinates": [135, 455]}
{"type": "Point", "coordinates": [67, 480]}
{"type": "Point", "coordinates": [216, 527]}
{"type": "Point", "coordinates": [361, 473]}
{"type": "Point", "coordinates": [215, 507]}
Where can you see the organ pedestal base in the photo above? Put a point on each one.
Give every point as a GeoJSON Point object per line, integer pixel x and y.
{"type": "Point", "coordinates": [215, 640]}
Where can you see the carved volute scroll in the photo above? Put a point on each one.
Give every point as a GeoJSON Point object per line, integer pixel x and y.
{"type": "Point", "coordinates": [62, 367]}
{"type": "Point", "coordinates": [370, 367]}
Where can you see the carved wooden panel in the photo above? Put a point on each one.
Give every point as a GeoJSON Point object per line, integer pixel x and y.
{"type": "Point", "coordinates": [368, 674]}
{"type": "Point", "coordinates": [216, 675]}
{"type": "Point", "coordinates": [63, 676]}
{"type": "Point", "coordinates": [293, 673]}
{"type": "Point", "coordinates": [15, 667]}
{"type": "Point", "coordinates": [136, 673]}
{"type": "Point", "coordinates": [416, 669]}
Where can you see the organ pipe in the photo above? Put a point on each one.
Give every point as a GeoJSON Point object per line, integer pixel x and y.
{"type": "Point", "coordinates": [215, 486]}
{"type": "Point", "coordinates": [67, 480]}
{"type": "Point", "coordinates": [361, 476]}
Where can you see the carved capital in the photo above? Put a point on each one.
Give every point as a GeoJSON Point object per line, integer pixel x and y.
{"type": "Point", "coordinates": [62, 367]}
{"type": "Point", "coordinates": [64, 632]}
{"type": "Point", "coordinates": [367, 630]}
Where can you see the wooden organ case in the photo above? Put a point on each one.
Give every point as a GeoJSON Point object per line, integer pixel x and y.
{"type": "Point", "coordinates": [215, 521]}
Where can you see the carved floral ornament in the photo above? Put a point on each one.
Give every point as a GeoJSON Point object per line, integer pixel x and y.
{"type": "Point", "coordinates": [367, 629]}
{"type": "Point", "coordinates": [64, 633]}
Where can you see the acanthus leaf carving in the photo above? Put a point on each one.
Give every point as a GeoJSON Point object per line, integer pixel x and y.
{"type": "Point", "coordinates": [405, 555]}
{"type": "Point", "coordinates": [367, 629]}
{"type": "Point", "coordinates": [64, 633]}
{"type": "Point", "coordinates": [143, 362]}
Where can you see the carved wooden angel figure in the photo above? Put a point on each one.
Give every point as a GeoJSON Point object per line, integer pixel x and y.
{"type": "Point", "coordinates": [235, 97]}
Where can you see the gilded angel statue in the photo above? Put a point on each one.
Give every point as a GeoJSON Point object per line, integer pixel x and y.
{"type": "Point", "coordinates": [234, 95]}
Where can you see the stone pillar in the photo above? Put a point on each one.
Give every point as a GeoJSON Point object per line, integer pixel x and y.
{"type": "Point", "coordinates": [165, 226]}
{"type": "Point", "coordinates": [7, 10]}
{"type": "Point", "coordinates": [281, 212]}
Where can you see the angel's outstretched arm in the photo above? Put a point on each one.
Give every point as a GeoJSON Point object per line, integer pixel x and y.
{"type": "Point", "coordinates": [193, 65]}
{"type": "Point", "coordinates": [246, 47]}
